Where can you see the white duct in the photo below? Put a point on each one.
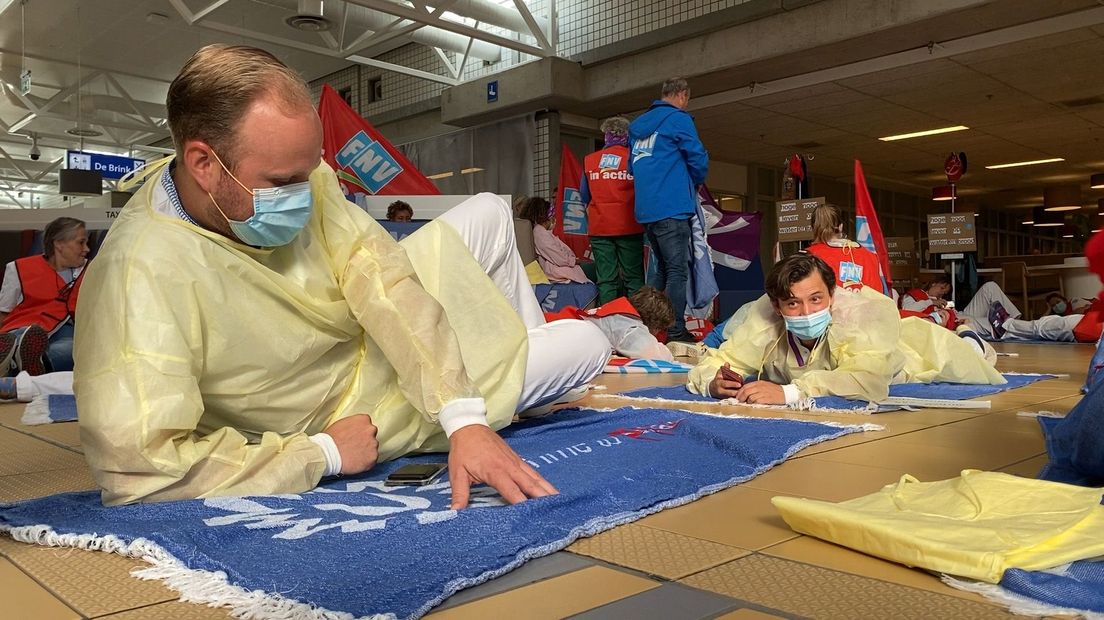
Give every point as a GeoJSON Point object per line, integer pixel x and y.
{"type": "Point", "coordinates": [362, 19]}
{"type": "Point", "coordinates": [493, 14]}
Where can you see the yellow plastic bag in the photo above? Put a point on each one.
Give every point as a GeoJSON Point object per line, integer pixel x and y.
{"type": "Point", "coordinates": [976, 526]}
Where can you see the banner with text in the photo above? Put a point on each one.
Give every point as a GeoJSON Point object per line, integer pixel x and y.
{"type": "Point", "coordinates": [795, 218]}
{"type": "Point", "coordinates": [950, 233]}
{"type": "Point", "coordinates": [903, 259]}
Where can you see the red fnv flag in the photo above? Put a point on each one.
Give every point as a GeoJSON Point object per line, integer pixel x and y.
{"type": "Point", "coordinates": [365, 162]}
{"type": "Point", "coordinates": [867, 230]}
{"type": "Point", "coordinates": [571, 219]}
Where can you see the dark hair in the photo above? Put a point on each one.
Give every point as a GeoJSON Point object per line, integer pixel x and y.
{"type": "Point", "coordinates": [399, 205]}
{"type": "Point", "coordinates": [938, 279]}
{"type": "Point", "coordinates": [654, 307]}
{"type": "Point", "coordinates": [61, 229]}
{"type": "Point", "coordinates": [674, 86]}
{"type": "Point", "coordinates": [535, 209]}
{"type": "Point", "coordinates": [793, 269]}
{"type": "Point", "coordinates": [826, 222]}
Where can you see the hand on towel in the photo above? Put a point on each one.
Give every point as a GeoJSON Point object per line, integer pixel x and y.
{"type": "Point", "coordinates": [762, 393]}
{"type": "Point", "coordinates": [477, 455]}
{"type": "Point", "coordinates": [355, 437]}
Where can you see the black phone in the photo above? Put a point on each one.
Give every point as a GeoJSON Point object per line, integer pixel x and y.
{"type": "Point", "coordinates": [415, 474]}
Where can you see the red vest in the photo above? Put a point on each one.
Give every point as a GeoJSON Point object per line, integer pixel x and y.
{"type": "Point", "coordinates": [863, 259]}
{"type": "Point", "coordinates": [47, 299]}
{"type": "Point", "coordinates": [610, 212]}
{"type": "Point", "coordinates": [926, 313]}
{"type": "Point", "coordinates": [1088, 330]}
{"type": "Point", "coordinates": [621, 305]}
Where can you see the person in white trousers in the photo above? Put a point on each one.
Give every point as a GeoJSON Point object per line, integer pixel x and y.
{"type": "Point", "coordinates": [994, 315]}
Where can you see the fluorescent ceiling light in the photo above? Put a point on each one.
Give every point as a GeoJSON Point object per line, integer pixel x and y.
{"type": "Point", "coordinates": [471, 170]}
{"type": "Point", "coordinates": [1025, 163]}
{"type": "Point", "coordinates": [440, 175]}
{"type": "Point", "coordinates": [920, 134]}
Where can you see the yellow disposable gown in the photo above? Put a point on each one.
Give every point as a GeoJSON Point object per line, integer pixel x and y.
{"type": "Point", "coordinates": [867, 348]}
{"type": "Point", "coordinates": [203, 364]}
{"type": "Point", "coordinates": [976, 526]}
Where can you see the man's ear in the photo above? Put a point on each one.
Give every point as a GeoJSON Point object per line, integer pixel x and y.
{"type": "Point", "coordinates": [201, 165]}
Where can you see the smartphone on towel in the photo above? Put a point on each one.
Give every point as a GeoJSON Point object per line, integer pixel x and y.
{"type": "Point", "coordinates": [415, 474]}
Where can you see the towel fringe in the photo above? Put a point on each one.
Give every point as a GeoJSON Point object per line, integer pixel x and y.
{"type": "Point", "coordinates": [1016, 603]}
{"type": "Point", "coordinates": [37, 411]}
{"type": "Point", "coordinates": [194, 586]}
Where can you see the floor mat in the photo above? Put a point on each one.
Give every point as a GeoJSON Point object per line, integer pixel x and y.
{"type": "Point", "coordinates": [334, 548]}
{"type": "Point", "coordinates": [944, 395]}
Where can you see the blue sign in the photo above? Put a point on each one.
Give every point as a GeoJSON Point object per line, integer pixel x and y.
{"type": "Point", "coordinates": [109, 166]}
{"type": "Point", "coordinates": [492, 91]}
{"type": "Point", "coordinates": [369, 162]}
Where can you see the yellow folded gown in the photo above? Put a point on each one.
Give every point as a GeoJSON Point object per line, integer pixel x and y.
{"type": "Point", "coordinates": [976, 526]}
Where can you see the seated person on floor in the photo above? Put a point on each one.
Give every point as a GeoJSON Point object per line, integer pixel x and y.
{"type": "Point", "coordinates": [38, 302]}
{"type": "Point", "coordinates": [246, 330]}
{"type": "Point", "coordinates": [630, 323]}
{"type": "Point", "coordinates": [993, 315]}
{"type": "Point", "coordinates": [853, 264]}
{"type": "Point", "coordinates": [928, 303]}
{"type": "Point", "coordinates": [556, 259]}
{"type": "Point", "coordinates": [400, 211]}
{"type": "Point", "coordinates": [806, 338]}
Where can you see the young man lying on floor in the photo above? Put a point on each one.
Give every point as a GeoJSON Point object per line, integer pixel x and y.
{"type": "Point", "coordinates": [806, 338]}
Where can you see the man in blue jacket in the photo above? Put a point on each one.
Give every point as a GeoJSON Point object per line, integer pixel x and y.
{"type": "Point", "coordinates": [668, 163]}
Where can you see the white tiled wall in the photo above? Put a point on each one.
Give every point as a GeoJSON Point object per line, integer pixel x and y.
{"type": "Point", "coordinates": [541, 172]}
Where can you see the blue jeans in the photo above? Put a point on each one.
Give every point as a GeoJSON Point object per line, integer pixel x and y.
{"type": "Point", "coordinates": [670, 243]}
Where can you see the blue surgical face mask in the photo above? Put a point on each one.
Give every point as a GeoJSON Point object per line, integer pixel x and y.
{"type": "Point", "coordinates": [1060, 307]}
{"type": "Point", "coordinates": [810, 326]}
{"type": "Point", "coordinates": [279, 213]}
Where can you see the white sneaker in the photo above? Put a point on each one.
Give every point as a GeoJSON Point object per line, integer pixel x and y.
{"type": "Point", "coordinates": [543, 410]}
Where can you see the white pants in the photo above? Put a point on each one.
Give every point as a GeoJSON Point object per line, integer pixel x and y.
{"type": "Point", "coordinates": [563, 355]}
{"type": "Point", "coordinates": [28, 387]}
{"type": "Point", "coordinates": [1050, 327]}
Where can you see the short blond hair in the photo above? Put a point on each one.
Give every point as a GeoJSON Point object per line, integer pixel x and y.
{"type": "Point", "coordinates": [217, 85]}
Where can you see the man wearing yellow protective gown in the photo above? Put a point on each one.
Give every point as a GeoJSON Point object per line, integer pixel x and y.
{"type": "Point", "coordinates": [248, 331]}
{"type": "Point", "coordinates": [807, 338]}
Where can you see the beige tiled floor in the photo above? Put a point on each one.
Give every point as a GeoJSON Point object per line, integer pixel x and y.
{"type": "Point", "coordinates": [732, 542]}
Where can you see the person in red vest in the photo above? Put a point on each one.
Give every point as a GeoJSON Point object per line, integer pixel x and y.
{"type": "Point", "coordinates": [616, 239]}
{"type": "Point", "coordinates": [927, 302]}
{"type": "Point", "coordinates": [629, 323]}
{"type": "Point", "coordinates": [854, 265]}
{"type": "Point", "coordinates": [38, 300]}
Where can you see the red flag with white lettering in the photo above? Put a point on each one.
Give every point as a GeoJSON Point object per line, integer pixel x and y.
{"type": "Point", "coordinates": [365, 162]}
{"type": "Point", "coordinates": [867, 230]}
{"type": "Point", "coordinates": [571, 219]}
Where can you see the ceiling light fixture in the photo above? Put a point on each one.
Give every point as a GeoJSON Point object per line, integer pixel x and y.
{"type": "Point", "coordinates": [943, 192]}
{"type": "Point", "coordinates": [1062, 198]}
{"type": "Point", "coordinates": [1025, 163]}
{"type": "Point", "coordinates": [1044, 218]}
{"type": "Point", "coordinates": [920, 134]}
{"type": "Point", "coordinates": [1096, 181]}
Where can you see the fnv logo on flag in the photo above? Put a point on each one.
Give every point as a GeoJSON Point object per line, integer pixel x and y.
{"type": "Point", "coordinates": [365, 162]}
{"type": "Point", "coordinates": [609, 161]}
{"type": "Point", "coordinates": [571, 215]}
{"type": "Point", "coordinates": [574, 213]}
{"type": "Point", "coordinates": [369, 162]}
